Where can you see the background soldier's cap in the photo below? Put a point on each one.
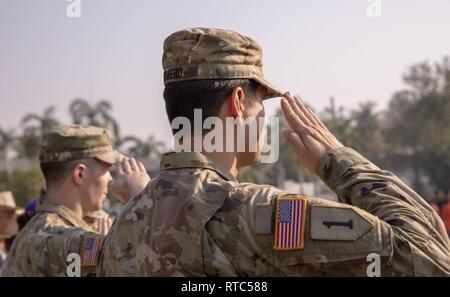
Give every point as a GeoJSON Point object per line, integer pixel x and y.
{"type": "Point", "coordinates": [74, 142]}
{"type": "Point", "coordinates": [7, 202]}
{"type": "Point", "coordinates": [207, 53]}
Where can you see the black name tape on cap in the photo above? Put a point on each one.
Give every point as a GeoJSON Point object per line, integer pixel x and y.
{"type": "Point", "coordinates": [173, 73]}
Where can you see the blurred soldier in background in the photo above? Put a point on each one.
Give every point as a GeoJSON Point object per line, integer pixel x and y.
{"type": "Point", "coordinates": [96, 219]}
{"type": "Point", "coordinates": [445, 213]}
{"type": "Point", "coordinates": [8, 224]}
{"type": "Point", "coordinates": [75, 161]}
{"type": "Point", "coordinates": [440, 198]}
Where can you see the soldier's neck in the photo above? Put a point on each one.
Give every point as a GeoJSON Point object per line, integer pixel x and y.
{"type": "Point", "coordinates": [227, 161]}
{"type": "Point", "coordinates": [67, 198]}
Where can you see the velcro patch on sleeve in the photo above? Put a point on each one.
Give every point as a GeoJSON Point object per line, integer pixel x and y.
{"type": "Point", "coordinates": [337, 223]}
{"type": "Point", "coordinates": [264, 219]}
{"type": "Point", "coordinates": [89, 250]}
{"type": "Point", "coordinates": [290, 216]}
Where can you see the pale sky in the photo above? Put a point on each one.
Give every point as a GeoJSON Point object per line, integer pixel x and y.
{"type": "Point", "coordinates": [313, 48]}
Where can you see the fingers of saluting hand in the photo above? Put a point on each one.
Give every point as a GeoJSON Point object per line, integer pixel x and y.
{"type": "Point", "coordinates": [126, 165]}
{"type": "Point", "coordinates": [133, 164]}
{"type": "Point", "coordinates": [294, 140]}
{"type": "Point", "coordinates": [141, 167]}
{"type": "Point", "coordinates": [291, 116]}
{"type": "Point", "coordinates": [293, 119]}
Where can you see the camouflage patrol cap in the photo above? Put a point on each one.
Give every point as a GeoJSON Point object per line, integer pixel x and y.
{"type": "Point", "coordinates": [74, 142]}
{"type": "Point", "coordinates": [207, 53]}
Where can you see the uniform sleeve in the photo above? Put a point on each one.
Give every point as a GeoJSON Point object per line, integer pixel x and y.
{"type": "Point", "coordinates": [379, 220]}
{"type": "Point", "coordinates": [414, 223]}
{"type": "Point", "coordinates": [53, 256]}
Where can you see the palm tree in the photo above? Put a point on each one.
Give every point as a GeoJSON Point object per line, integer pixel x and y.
{"type": "Point", "coordinates": [335, 120]}
{"type": "Point", "coordinates": [35, 126]}
{"type": "Point", "coordinates": [99, 115]}
{"type": "Point", "coordinates": [28, 143]}
{"type": "Point", "coordinates": [44, 122]}
{"type": "Point", "coordinates": [130, 149]}
{"type": "Point", "coordinates": [7, 141]}
{"type": "Point", "coordinates": [150, 148]}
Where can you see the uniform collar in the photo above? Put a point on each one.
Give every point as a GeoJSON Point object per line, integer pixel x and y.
{"type": "Point", "coordinates": [62, 211]}
{"type": "Point", "coordinates": [174, 160]}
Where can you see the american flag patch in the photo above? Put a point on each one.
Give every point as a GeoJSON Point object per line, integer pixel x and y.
{"type": "Point", "coordinates": [90, 250]}
{"type": "Point", "coordinates": [290, 223]}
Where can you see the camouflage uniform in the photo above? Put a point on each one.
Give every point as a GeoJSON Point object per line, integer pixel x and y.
{"type": "Point", "coordinates": [195, 219]}
{"type": "Point", "coordinates": [42, 247]}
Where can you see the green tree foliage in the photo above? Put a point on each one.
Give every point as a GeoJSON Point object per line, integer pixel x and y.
{"type": "Point", "coordinates": [41, 123]}
{"type": "Point", "coordinates": [24, 185]}
{"type": "Point", "coordinates": [360, 129]}
{"type": "Point", "coordinates": [7, 139]}
{"type": "Point", "coordinates": [7, 142]}
{"type": "Point", "coordinates": [142, 149]}
{"type": "Point", "coordinates": [83, 112]}
{"type": "Point", "coordinates": [34, 127]}
{"type": "Point", "coordinates": [419, 123]}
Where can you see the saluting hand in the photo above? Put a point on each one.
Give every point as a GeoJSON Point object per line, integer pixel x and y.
{"type": "Point", "coordinates": [307, 135]}
{"type": "Point", "coordinates": [130, 178]}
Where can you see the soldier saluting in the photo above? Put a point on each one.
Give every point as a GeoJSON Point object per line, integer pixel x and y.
{"type": "Point", "coordinates": [75, 161]}
{"type": "Point", "coordinates": [196, 219]}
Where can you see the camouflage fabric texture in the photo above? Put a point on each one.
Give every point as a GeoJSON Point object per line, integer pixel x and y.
{"type": "Point", "coordinates": [194, 219]}
{"type": "Point", "coordinates": [206, 53]}
{"type": "Point", "coordinates": [41, 248]}
{"type": "Point", "coordinates": [74, 142]}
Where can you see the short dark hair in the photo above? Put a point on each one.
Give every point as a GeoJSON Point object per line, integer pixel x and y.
{"type": "Point", "coordinates": [209, 95]}
{"type": "Point", "coordinates": [56, 173]}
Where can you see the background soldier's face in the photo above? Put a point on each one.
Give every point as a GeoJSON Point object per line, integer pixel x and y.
{"type": "Point", "coordinates": [96, 186]}
{"type": "Point", "coordinates": [6, 216]}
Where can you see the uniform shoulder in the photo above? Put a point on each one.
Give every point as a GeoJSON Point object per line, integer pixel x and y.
{"type": "Point", "coordinates": [42, 247]}
{"type": "Point", "coordinates": [51, 224]}
{"type": "Point", "coordinates": [49, 221]}
{"type": "Point", "coordinates": [256, 193]}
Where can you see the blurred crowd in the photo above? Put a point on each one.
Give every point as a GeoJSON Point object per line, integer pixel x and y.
{"type": "Point", "coordinates": [440, 202]}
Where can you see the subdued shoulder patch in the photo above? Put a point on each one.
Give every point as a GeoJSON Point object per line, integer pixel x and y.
{"type": "Point", "coordinates": [264, 219]}
{"type": "Point", "coordinates": [290, 217]}
{"type": "Point", "coordinates": [89, 250]}
{"type": "Point", "coordinates": [336, 223]}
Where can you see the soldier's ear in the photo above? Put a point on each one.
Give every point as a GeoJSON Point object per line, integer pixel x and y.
{"type": "Point", "coordinates": [236, 102]}
{"type": "Point", "coordinates": [79, 174]}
